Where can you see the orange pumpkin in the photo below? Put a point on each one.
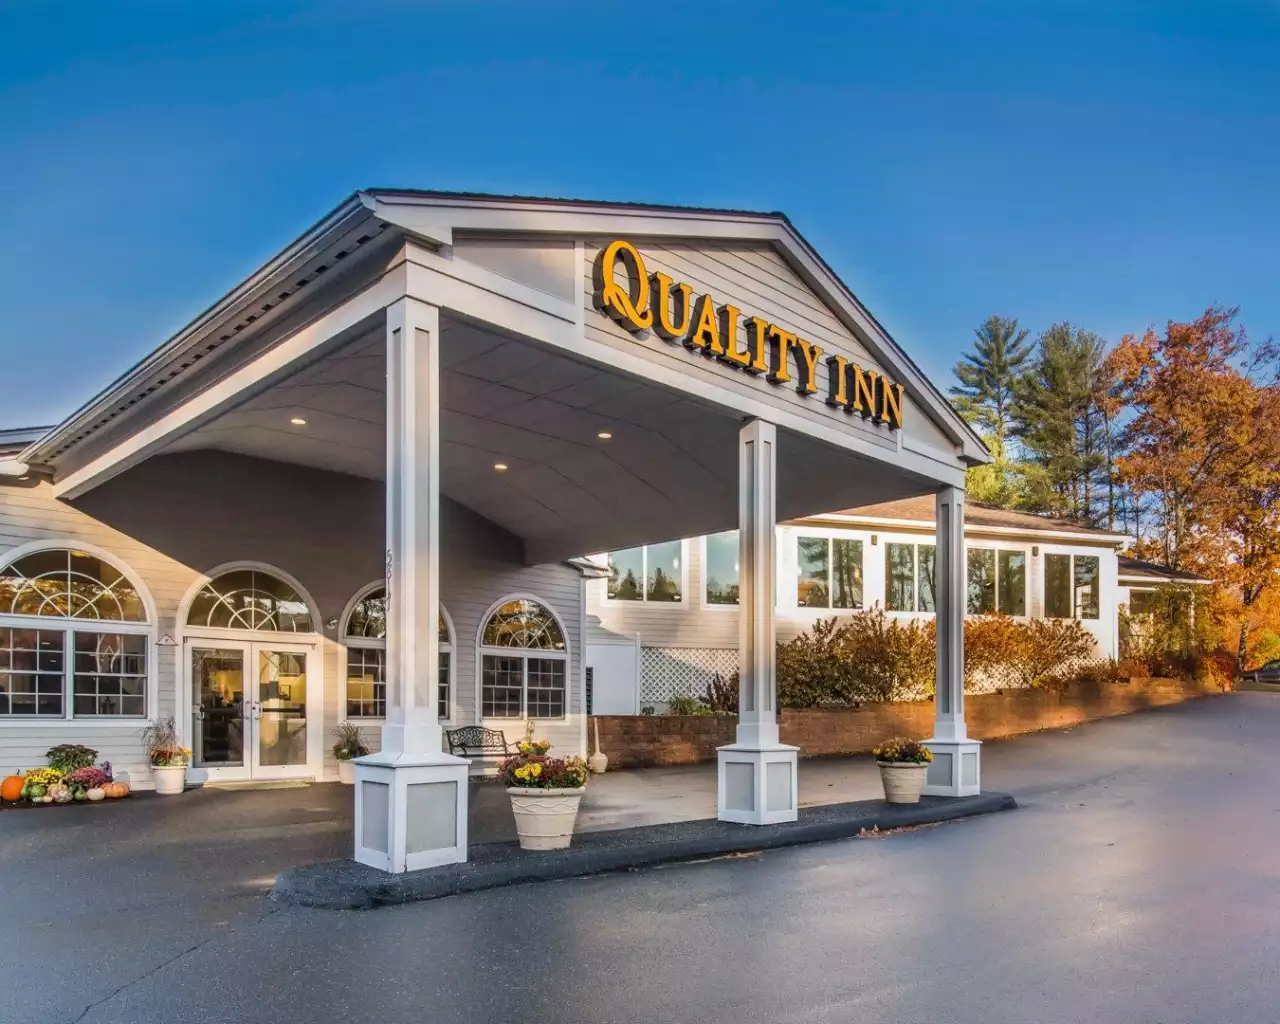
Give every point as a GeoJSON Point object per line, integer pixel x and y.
{"type": "Point", "coordinates": [11, 788]}
{"type": "Point", "coordinates": [114, 790]}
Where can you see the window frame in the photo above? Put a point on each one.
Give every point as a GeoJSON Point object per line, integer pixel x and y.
{"type": "Point", "coordinates": [1072, 554]}
{"type": "Point", "coordinates": [644, 602]}
{"type": "Point", "coordinates": [998, 546]}
{"type": "Point", "coordinates": [372, 643]}
{"type": "Point", "coordinates": [790, 578]}
{"type": "Point", "coordinates": [915, 541]}
{"type": "Point", "coordinates": [525, 653]}
{"type": "Point", "coordinates": [69, 626]}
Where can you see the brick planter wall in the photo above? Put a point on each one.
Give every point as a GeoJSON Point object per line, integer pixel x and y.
{"type": "Point", "coordinates": [635, 741]}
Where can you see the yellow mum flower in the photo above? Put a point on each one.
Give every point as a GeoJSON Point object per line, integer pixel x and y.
{"type": "Point", "coordinates": [535, 770]}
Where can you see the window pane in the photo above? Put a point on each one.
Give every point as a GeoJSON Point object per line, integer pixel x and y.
{"type": "Point", "coordinates": [502, 685]}
{"type": "Point", "coordinates": [812, 572]}
{"type": "Point", "coordinates": [982, 581]}
{"type": "Point", "coordinates": [68, 583]}
{"type": "Point", "coordinates": [846, 575]}
{"type": "Point", "coordinates": [248, 599]}
{"type": "Point", "coordinates": [522, 623]}
{"type": "Point", "coordinates": [1013, 582]}
{"type": "Point", "coordinates": [1057, 586]}
{"type": "Point", "coordinates": [928, 556]}
{"type": "Point", "coordinates": [546, 688]}
{"type": "Point", "coordinates": [366, 682]}
{"type": "Point", "coordinates": [107, 667]}
{"type": "Point", "coordinates": [1141, 602]}
{"type": "Point", "coordinates": [442, 698]}
{"type": "Point", "coordinates": [1087, 586]}
{"type": "Point", "coordinates": [721, 570]}
{"type": "Point", "coordinates": [663, 580]}
{"type": "Point", "coordinates": [31, 672]}
{"type": "Point", "coordinates": [900, 594]}
{"type": "Point", "coordinates": [626, 570]}
{"type": "Point", "coordinates": [368, 618]}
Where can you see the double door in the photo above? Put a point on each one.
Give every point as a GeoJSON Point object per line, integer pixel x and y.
{"type": "Point", "coordinates": [254, 709]}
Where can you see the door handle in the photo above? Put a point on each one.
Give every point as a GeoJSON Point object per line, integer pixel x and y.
{"type": "Point", "coordinates": [199, 716]}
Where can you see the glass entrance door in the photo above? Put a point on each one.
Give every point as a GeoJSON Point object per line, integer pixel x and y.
{"type": "Point", "coordinates": [249, 709]}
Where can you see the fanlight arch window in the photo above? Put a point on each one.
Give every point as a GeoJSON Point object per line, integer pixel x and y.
{"type": "Point", "coordinates": [523, 662]}
{"type": "Point", "coordinates": [364, 635]}
{"type": "Point", "coordinates": [250, 599]}
{"type": "Point", "coordinates": [74, 638]}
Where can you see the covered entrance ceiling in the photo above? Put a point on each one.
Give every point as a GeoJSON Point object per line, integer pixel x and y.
{"type": "Point", "coordinates": [666, 469]}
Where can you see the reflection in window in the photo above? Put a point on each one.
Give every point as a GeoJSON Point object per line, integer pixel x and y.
{"type": "Point", "coordinates": [648, 573]}
{"type": "Point", "coordinates": [997, 581]}
{"type": "Point", "coordinates": [109, 674]}
{"type": "Point", "coordinates": [1072, 586]}
{"type": "Point", "coordinates": [721, 569]}
{"type": "Point", "coordinates": [250, 599]}
{"type": "Point", "coordinates": [70, 584]}
{"type": "Point", "coordinates": [910, 583]}
{"type": "Point", "coordinates": [829, 572]}
{"type": "Point", "coordinates": [516, 684]}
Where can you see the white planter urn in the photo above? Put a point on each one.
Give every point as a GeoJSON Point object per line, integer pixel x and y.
{"type": "Point", "coordinates": [545, 817]}
{"type": "Point", "coordinates": [347, 772]}
{"type": "Point", "coordinates": [903, 781]}
{"type": "Point", "coordinates": [171, 780]}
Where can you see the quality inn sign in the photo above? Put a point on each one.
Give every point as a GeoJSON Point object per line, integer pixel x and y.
{"type": "Point", "coordinates": [655, 302]}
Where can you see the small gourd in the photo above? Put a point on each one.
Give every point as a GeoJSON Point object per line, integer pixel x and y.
{"type": "Point", "coordinates": [61, 794]}
{"type": "Point", "coordinates": [35, 792]}
{"type": "Point", "coordinates": [115, 790]}
{"type": "Point", "coordinates": [11, 788]}
{"type": "Point", "coordinates": [95, 794]}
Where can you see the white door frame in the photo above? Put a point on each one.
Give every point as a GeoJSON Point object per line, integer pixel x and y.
{"type": "Point", "coordinates": [247, 642]}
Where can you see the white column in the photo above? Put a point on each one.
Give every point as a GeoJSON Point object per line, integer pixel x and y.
{"type": "Point", "coordinates": [411, 797]}
{"type": "Point", "coordinates": [757, 774]}
{"type": "Point", "coordinates": [955, 770]}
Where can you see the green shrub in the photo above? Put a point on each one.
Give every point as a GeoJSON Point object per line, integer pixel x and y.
{"type": "Point", "coordinates": [686, 706]}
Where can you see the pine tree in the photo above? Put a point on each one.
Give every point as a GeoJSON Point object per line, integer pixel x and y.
{"type": "Point", "coordinates": [1060, 417]}
{"type": "Point", "coordinates": [988, 376]}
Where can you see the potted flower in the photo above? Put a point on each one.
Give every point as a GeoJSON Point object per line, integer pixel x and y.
{"type": "Point", "coordinates": [167, 756]}
{"type": "Point", "coordinates": [903, 764]}
{"type": "Point", "coordinates": [545, 793]}
{"type": "Point", "coordinates": [346, 749]}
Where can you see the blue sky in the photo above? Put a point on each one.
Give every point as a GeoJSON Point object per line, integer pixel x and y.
{"type": "Point", "coordinates": [1112, 164]}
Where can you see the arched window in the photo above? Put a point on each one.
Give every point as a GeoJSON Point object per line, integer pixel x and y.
{"type": "Point", "coordinates": [73, 638]}
{"type": "Point", "coordinates": [523, 662]}
{"type": "Point", "coordinates": [250, 599]}
{"type": "Point", "coordinates": [365, 635]}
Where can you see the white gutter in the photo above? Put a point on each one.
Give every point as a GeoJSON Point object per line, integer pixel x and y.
{"type": "Point", "coordinates": [12, 467]}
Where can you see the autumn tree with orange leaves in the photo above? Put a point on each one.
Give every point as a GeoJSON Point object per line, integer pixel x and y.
{"type": "Point", "coordinates": [1202, 453]}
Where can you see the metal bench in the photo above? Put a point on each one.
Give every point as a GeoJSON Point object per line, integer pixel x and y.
{"type": "Point", "coordinates": [477, 741]}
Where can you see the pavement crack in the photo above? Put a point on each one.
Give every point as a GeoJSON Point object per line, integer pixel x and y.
{"type": "Point", "coordinates": [167, 963]}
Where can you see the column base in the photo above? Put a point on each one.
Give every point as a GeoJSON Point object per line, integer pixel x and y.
{"type": "Point", "coordinates": [756, 784]}
{"type": "Point", "coordinates": [956, 769]}
{"type": "Point", "coordinates": [411, 810]}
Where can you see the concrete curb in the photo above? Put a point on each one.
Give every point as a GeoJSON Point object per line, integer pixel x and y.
{"type": "Point", "coordinates": [346, 885]}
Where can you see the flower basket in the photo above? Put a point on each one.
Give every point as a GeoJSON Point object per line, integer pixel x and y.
{"type": "Point", "coordinates": [545, 794]}
{"type": "Point", "coordinates": [903, 765]}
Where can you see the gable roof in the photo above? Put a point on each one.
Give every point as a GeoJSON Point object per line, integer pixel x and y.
{"type": "Point", "coordinates": [919, 511]}
{"type": "Point", "coordinates": [1136, 569]}
{"type": "Point", "coordinates": [369, 217]}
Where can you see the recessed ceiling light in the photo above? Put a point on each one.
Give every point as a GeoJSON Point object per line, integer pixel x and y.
{"type": "Point", "coordinates": [501, 467]}
{"type": "Point", "coordinates": [298, 421]}
{"type": "Point", "coordinates": [604, 435]}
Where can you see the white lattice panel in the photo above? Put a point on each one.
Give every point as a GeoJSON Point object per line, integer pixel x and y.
{"type": "Point", "coordinates": [667, 672]}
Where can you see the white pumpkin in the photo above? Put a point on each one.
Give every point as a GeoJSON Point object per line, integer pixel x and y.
{"type": "Point", "coordinates": [96, 794]}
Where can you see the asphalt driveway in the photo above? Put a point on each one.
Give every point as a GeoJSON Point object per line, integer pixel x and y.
{"type": "Point", "coordinates": [1138, 884]}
